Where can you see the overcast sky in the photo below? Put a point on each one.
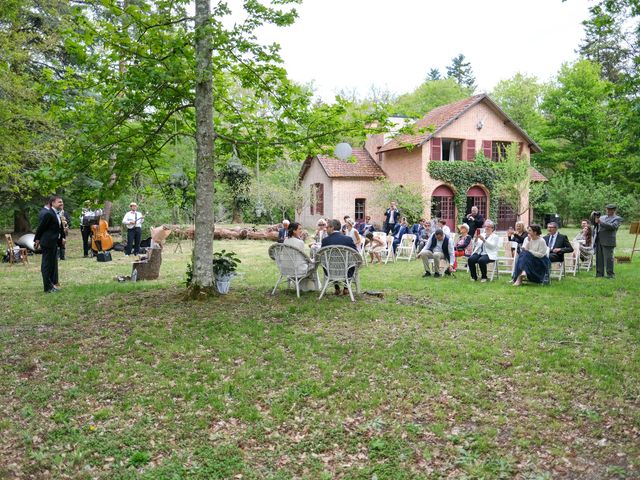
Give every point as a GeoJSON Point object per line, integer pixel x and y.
{"type": "Point", "coordinates": [392, 44]}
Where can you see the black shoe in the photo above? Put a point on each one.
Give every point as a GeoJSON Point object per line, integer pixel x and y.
{"type": "Point", "coordinates": [436, 275]}
{"type": "Point", "coordinates": [427, 274]}
{"type": "Point", "coordinates": [447, 272]}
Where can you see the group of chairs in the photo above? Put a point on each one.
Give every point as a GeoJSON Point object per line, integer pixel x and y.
{"type": "Point", "coordinates": [341, 264]}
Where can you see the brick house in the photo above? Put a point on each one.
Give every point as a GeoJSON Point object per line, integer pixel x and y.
{"type": "Point", "coordinates": [456, 131]}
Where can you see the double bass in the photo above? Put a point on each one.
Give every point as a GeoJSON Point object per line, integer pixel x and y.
{"type": "Point", "coordinates": [101, 241]}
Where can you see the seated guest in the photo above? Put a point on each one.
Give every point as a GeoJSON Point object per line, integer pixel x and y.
{"type": "Point", "coordinates": [376, 246]}
{"type": "Point", "coordinates": [443, 226]}
{"type": "Point", "coordinates": [283, 232]}
{"type": "Point", "coordinates": [463, 246]}
{"type": "Point", "coordinates": [558, 243]}
{"type": "Point", "coordinates": [335, 237]}
{"type": "Point", "coordinates": [532, 262]}
{"type": "Point", "coordinates": [364, 224]}
{"type": "Point", "coordinates": [438, 247]}
{"type": "Point", "coordinates": [485, 250]}
{"type": "Point", "coordinates": [344, 222]}
{"type": "Point", "coordinates": [424, 232]}
{"type": "Point", "coordinates": [321, 232]}
{"type": "Point", "coordinates": [516, 237]}
{"type": "Point", "coordinates": [399, 230]}
{"type": "Point", "coordinates": [294, 240]}
{"type": "Point", "coordinates": [350, 231]}
{"type": "Point", "coordinates": [584, 240]}
{"type": "Point", "coordinates": [294, 237]}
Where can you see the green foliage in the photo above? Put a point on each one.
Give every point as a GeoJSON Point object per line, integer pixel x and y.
{"type": "Point", "coordinates": [520, 97]}
{"type": "Point", "coordinates": [575, 196]}
{"type": "Point", "coordinates": [513, 179]}
{"type": "Point", "coordinates": [225, 262]}
{"type": "Point", "coordinates": [434, 74]}
{"type": "Point", "coordinates": [462, 175]}
{"type": "Point", "coordinates": [408, 198]}
{"type": "Point", "coordinates": [462, 72]}
{"type": "Point", "coordinates": [579, 129]}
{"type": "Point", "coordinates": [429, 95]}
{"type": "Point", "coordinates": [238, 179]}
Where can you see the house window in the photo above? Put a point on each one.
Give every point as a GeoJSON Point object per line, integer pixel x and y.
{"type": "Point", "coordinates": [317, 199]}
{"type": "Point", "coordinates": [360, 204]}
{"type": "Point", "coordinates": [499, 151]}
{"type": "Point", "coordinates": [451, 149]}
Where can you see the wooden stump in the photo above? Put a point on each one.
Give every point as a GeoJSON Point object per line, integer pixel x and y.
{"type": "Point", "coordinates": [149, 268]}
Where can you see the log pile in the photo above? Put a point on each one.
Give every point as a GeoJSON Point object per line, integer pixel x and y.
{"type": "Point", "coordinates": [237, 233]}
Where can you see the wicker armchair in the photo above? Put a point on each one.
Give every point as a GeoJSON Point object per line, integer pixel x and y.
{"type": "Point", "coordinates": [294, 266]}
{"type": "Point", "coordinates": [337, 261]}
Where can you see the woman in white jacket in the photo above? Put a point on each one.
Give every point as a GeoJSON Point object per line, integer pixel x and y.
{"type": "Point", "coordinates": [485, 250]}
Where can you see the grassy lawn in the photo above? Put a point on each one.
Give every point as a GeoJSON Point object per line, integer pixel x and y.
{"type": "Point", "coordinates": [442, 378]}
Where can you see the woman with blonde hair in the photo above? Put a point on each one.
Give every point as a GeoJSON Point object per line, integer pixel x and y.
{"type": "Point", "coordinates": [517, 237]}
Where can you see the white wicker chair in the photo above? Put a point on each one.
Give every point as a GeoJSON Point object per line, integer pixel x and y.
{"type": "Point", "coordinates": [407, 247]}
{"type": "Point", "coordinates": [294, 266]}
{"type": "Point", "coordinates": [337, 260]}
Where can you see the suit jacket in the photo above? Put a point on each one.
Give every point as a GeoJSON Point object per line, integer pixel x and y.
{"type": "Point", "coordinates": [43, 211]}
{"type": "Point", "coordinates": [474, 224]}
{"type": "Point", "coordinates": [281, 234]}
{"type": "Point", "coordinates": [337, 238]}
{"type": "Point", "coordinates": [49, 231]}
{"type": "Point", "coordinates": [606, 230]}
{"type": "Point", "coordinates": [398, 232]}
{"type": "Point", "coordinates": [562, 242]}
{"type": "Point", "coordinates": [387, 216]}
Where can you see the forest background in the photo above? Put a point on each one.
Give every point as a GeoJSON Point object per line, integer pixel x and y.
{"type": "Point", "coordinates": [96, 103]}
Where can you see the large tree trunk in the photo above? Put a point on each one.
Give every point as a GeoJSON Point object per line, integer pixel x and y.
{"type": "Point", "coordinates": [204, 220]}
{"type": "Point", "coordinates": [21, 221]}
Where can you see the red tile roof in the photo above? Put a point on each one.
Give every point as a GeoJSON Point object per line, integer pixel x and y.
{"type": "Point", "coordinates": [432, 122]}
{"type": "Point", "coordinates": [361, 165]}
{"type": "Point", "coordinates": [440, 117]}
{"type": "Point", "coordinates": [536, 176]}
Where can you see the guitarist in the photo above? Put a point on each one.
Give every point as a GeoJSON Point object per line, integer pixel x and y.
{"type": "Point", "coordinates": [133, 221]}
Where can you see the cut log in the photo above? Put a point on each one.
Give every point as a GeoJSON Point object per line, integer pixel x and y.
{"type": "Point", "coordinates": [149, 267]}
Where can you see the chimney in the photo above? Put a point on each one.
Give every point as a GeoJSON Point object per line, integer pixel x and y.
{"type": "Point", "coordinates": [373, 143]}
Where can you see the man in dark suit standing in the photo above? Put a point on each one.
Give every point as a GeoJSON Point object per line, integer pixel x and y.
{"type": "Point", "coordinates": [49, 236]}
{"type": "Point", "coordinates": [558, 244]}
{"type": "Point", "coordinates": [335, 237]}
{"type": "Point", "coordinates": [605, 240]}
{"type": "Point", "coordinates": [391, 218]}
{"type": "Point", "coordinates": [475, 220]}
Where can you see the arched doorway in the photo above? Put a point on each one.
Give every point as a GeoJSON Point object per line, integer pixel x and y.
{"type": "Point", "coordinates": [443, 206]}
{"type": "Point", "coordinates": [506, 216]}
{"type": "Point", "coordinates": [478, 197]}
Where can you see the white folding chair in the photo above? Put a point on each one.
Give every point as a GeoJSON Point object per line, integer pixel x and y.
{"type": "Point", "coordinates": [294, 266]}
{"type": "Point", "coordinates": [495, 265]}
{"type": "Point", "coordinates": [337, 261]}
{"type": "Point", "coordinates": [387, 253]}
{"type": "Point", "coordinates": [572, 260]}
{"type": "Point", "coordinates": [586, 264]}
{"type": "Point", "coordinates": [407, 247]}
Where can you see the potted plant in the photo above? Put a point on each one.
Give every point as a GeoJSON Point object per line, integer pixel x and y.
{"type": "Point", "coordinates": [224, 268]}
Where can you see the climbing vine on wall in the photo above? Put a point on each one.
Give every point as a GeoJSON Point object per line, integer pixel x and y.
{"type": "Point", "coordinates": [462, 175]}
